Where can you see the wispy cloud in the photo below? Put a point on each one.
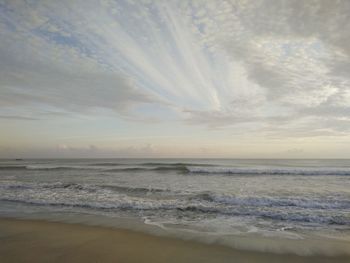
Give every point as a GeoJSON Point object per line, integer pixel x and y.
{"type": "Point", "coordinates": [276, 67]}
{"type": "Point", "coordinates": [14, 117]}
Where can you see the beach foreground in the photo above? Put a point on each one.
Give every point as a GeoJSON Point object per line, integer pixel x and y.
{"type": "Point", "coordinates": [41, 241]}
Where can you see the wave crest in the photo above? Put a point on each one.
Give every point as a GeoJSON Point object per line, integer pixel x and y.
{"type": "Point", "coordinates": [266, 171]}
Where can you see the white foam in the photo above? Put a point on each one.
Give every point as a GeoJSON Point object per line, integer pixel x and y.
{"type": "Point", "coordinates": [267, 171]}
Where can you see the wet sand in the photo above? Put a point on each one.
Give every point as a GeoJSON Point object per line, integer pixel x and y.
{"type": "Point", "coordinates": [41, 241]}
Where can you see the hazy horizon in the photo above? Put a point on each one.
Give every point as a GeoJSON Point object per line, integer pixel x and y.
{"type": "Point", "coordinates": [175, 79]}
{"type": "Point", "coordinates": [172, 158]}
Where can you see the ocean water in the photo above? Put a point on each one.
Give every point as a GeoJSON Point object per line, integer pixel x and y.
{"type": "Point", "coordinates": [229, 201]}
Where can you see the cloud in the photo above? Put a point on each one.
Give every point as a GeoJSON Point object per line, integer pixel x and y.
{"type": "Point", "coordinates": [13, 117]}
{"type": "Point", "coordinates": [115, 152]}
{"type": "Point", "coordinates": [278, 67]}
{"type": "Point", "coordinates": [293, 51]}
{"type": "Point", "coordinates": [48, 61]}
{"type": "Point", "coordinates": [217, 119]}
{"type": "Point", "coordinates": [70, 91]}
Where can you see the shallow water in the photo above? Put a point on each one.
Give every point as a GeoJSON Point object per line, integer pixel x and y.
{"type": "Point", "coordinates": [278, 199]}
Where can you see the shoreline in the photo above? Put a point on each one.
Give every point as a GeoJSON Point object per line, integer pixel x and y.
{"type": "Point", "coordinates": [27, 240]}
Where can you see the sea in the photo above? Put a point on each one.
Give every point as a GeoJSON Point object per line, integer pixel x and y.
{"type": "Point", "coordinates": [292, 206]}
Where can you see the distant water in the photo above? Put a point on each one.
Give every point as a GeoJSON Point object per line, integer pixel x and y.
{"type": "Point", "coordinates": [289, 199]}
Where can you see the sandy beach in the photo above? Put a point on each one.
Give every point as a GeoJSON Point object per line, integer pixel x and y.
{"type": "Point", "coordinates": [41, 241]}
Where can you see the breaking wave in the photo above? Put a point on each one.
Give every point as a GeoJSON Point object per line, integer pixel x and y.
{"type": "Point", "coordinates": [312, 203]}
{"type": "Point", "coordinates": [266, 171]}
{"type": "Point", "coordinates": [185, 168]}
{"type": "Point", "coordinates": [317, 210]}
{"type": "Point", "coordinates": [175, 164]}
{"type": "Point", "coordinates": [178, 207]}
{"type": "Point", "coordinates": [84, 187]}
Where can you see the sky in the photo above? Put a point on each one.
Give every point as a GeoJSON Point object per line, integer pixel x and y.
{"type": "Point", "coordinates": [175, 78]}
